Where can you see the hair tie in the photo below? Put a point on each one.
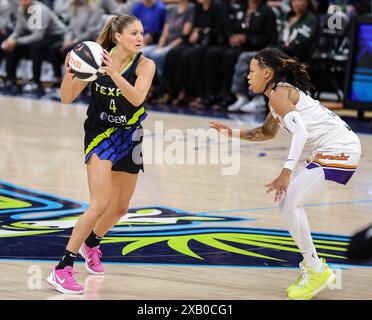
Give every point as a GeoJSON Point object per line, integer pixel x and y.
{"type": "Point", "coordinates": [287, 62]}
{"type": "Point", "coordinates": [115, 20]}
{"type": "Point", "coordinates": [302, 67]}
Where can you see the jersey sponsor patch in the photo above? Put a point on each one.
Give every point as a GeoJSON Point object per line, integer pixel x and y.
{"type": "Point", "coordinates": [122, 120]}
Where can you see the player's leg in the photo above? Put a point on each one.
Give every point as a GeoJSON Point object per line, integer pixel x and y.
{"type": "Point", "coordinates": [128, 161]}
{"type": "Point", "coordinates": [306, 185]}
{"type": "Point", "coordinates": [99, 180]}
{"type": "Point", "coordinates": [123, 186]}
{"type": "Point", "coordinates": [12, 61]}
{"type": "Point", "coordinates": [316, 274]}
{"type": "Point", "coordinates": [100, 186]}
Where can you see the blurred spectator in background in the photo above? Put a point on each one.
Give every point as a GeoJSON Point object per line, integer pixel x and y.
{"type": "Point", "coordinates": [177, 27]}
{"type": "Point", "coordinates": [360, 7]}
{"type": "Point", "coordinates": [109, 7]}
{"type": "Point", "coordinates": [63, 10]}
{"type": "Point", "coordinates": [300, 29]}
{"type": "Point", "coordinates": [320, 7]}
{"type": "Point", "coordinates": [280, 8]}
{"type": "Point", "coordinates": [6, 23]}
{"type": "Point", "coordinates": [254, 29]}
{"type": "Point", "coordinates": [282, 5]}
{"type": "Point", "coordinates": [126, 6]}
{"type": "Point", "coordinates": [32, 37]}
{"type": "Point", "coordinates": [152, 14]}
{"type": "Point", "coordinates": [83, 26]}
{"type": "Point", "coordinates": [48, 3]}
{"type": "Point", "coordinates": [296, 38]}
{"type": "Point", "coordinates": [184, 65]}
{"type": "Point", "coordinates": [202, 51]}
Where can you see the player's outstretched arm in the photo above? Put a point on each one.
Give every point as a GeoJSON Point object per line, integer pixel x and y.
{"type": "Point", "coordinates": [221, 128]}
{"type": "Point", "coordinates": [267, 131]}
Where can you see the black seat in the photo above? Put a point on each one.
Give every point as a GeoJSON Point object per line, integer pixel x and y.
{"type": "Point", "coordinates": [329, 59]}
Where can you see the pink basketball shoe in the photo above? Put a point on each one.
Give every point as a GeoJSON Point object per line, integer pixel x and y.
{"type": "Point", "coordinates": [92, 258]}
{"type": "Point", "coordinates": [63, 281]}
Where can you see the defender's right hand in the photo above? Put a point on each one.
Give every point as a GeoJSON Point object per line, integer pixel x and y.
{"type": "Point", "coordinates": [221, 128]}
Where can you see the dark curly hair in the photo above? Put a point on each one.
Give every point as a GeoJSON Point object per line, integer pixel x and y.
{"type": "Point", "coordinates": [286, 69]}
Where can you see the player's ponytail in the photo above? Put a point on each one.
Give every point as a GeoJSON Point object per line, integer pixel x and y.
{"type": "Point", "coordinates": [116, 24]}
{"type": "Point", "coordinates": [106, 39]}
{"type": "Point", "coordinates": [286, 69]}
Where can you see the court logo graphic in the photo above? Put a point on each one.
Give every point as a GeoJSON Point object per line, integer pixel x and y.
{"type": "Point", "coordinates": [36, 226]}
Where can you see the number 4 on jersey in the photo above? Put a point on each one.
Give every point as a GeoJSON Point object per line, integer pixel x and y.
{"type": "Point", "coordinates": [113, 105]}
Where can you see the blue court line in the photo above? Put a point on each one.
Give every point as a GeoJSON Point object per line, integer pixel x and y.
{"type": "Point", "coordinates": [51, 214]}
{"type": "Point", "coordinates": [191, 231]}
{"type": "Point", "coordinates": [181, 211]}
{"type": "Point", "coordinates": [41, 193]}
{"type": "Point", "coordinates": [156, 264]}
{"type": "Point", "coordinates": [337, 266]}
{"type": "Point", "coordinates": [193, 224]}
{"type": "Point", "coordinates": [275, 207]}
{"type": "Point", "coordinates": [50, 205]}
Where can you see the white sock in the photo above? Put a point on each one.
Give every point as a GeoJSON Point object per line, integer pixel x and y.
{"type": "Point", "coordinates": [312, 260]}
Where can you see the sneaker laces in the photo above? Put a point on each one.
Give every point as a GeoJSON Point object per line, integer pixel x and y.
{"type": "Point", "coordinates": [94, 256]}
{"type": "Point", "coordinates": [68, 273]}
{"type": "Point", "coordinates": [305, 276]}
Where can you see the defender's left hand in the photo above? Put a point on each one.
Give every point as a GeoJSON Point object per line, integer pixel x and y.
{"type": "Point", "coordinates": [280, 184]}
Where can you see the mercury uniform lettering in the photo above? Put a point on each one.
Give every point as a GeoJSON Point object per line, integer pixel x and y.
{"type": "Point", "coordinates": [341, 157]}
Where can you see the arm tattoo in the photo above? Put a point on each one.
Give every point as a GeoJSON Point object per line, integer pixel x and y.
{"type": "Point", "coordinates": [270, 127]}
{"type": "Point", "coordinates": [253, 135]}
{"type": "Point", "coordinates": [268, 130]}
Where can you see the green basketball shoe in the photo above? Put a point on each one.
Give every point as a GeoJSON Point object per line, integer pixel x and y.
{"type": "Point", "coordinates": [311, 282]}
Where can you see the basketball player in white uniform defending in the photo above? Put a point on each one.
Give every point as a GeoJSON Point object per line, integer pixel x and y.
{"type": "Point", "coordinates": [335, 154]}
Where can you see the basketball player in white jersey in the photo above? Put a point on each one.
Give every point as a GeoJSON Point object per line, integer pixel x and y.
{"type": "Point", "coordinates": [335, 154]}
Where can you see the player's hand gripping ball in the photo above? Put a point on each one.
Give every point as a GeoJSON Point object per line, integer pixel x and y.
{"type": "Point", "coordinates": [86, 61]}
